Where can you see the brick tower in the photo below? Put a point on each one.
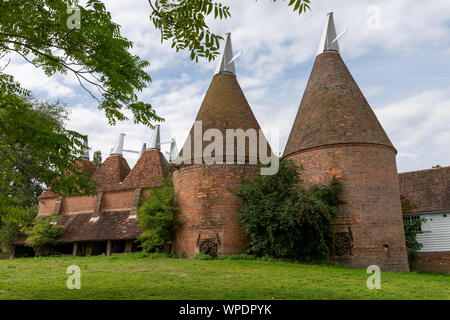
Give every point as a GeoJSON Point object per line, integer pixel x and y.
{"type": "Point", "coordinates": [336, 133]}
{"type": "Point", "coordinates": [208, 209]}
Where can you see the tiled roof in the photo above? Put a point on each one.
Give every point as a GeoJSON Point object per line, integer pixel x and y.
{"type": "Point", "coordinates": [112, 171]}
{"type": "Point", "coordinates": [107, 226]}
{"type": "Point", "coordinates": [87, 165]}
{"type": "Point", "coordinates": [426, 190]}
{"type": "Point", "coordinates": [224, 107]}
{"type": "Point", "coordinates": [150, 167]}
{"type": "Point", "coordinates": [333, 110]}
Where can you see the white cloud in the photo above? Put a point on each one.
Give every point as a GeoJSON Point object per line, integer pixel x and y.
{"type": "Point", "coordinates": [419, 128]}
{"type": "Point", "coordinates": [35, 80]}
{"type": "Point", "coordinates": [275, 42]}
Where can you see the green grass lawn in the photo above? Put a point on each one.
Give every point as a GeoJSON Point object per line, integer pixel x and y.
{"type": "Point", "coordinates": [131, 276]}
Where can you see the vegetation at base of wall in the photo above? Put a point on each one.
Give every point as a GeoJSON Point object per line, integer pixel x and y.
{"type": "Point", "coordinates": [43, 234]}
{"type": "Point", "coordinates": [157, 219]}
{"type": "Point", "coordinates": [286, 220]}
{"type": "Point", "coordinates": [413, 246]}
{"type": "Point", "coordinates": [132, 276]}
{"type": "Point", "coordinates": [203, 256]}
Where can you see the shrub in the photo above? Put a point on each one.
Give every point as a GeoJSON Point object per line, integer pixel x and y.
{"type": "Point", "coordinates": [43, 234]}
{"type": "Point", "coordinates": [285, 220]}
{"type": "Point", "coordinates": [156, 218]}
{"type": "Point", "coordinates": [12, 220]}
{"type": "Point", "coordinates": [412, 245]}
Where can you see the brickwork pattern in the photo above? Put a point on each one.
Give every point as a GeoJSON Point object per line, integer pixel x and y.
{"type": "Point", "coordinates": [225, 107]}
{"type": "Point", "coordinates": [433, 262]}
{"type": "Point", "coordinates": [372, 212]}
{"type": "Point", "coordinates": [333, 110]}
{"type": "Point", "coordinates": [208, 209]}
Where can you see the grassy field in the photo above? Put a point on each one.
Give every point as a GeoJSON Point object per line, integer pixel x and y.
{"type": "Point", "coordinates": [132, 276]}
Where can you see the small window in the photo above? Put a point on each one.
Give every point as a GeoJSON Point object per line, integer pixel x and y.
{"type": "Point", "coordinates": [411, 219]}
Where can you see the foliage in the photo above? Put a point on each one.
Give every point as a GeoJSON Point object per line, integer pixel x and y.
{"type": "Point", "coordinates": [436, 166]}
{"type": "Point", "coordinates": [36, 150]}
{"type": "Point", "coordinates": [203, 256]}
{"type": "Point", "coordinates": [12, 220]}
{"type": "Point", "coordinates": [156, 218]}
{"type": "Point", "coordinates": [97, 159]}
{"type": "Point", "coordinates": [43, 233]}
{"type": "Point", "coordinates": [46, 33]}
{"type": "Point", "coordinates": [76, 38]}
{"type": "Point", "coordinates": [184, 23]}
{"type": "Point", "coordinates": [412, 245]}
{"type": "Point", "coordinates": [286, 220]}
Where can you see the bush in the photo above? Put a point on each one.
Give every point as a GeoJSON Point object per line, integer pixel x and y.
{"type": "Point", "coordinates": [156, 218]}
{"type": "Point", "coordinates": [412, 245]}
{"type": "Point", "coordinates": [287, 221]}
{"type": "Point", "coordinates": [43, 234]}
{"type": "Point", "coordinates": [12, 220]}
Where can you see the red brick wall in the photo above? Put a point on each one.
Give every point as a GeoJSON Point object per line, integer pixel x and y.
{"type": "Point", "coordinates": [433, 262]}
{"type": "Point", "coordinates": [111, 200]}
{"type": "Point", "coordinates": [77, 204]}
{"type": "Point", "coordinates": [118, 200]}
{"type": "Point", "coordinates": [372, 210]}
{"type": "Point", "coordinates": [208, 208]}
{"type": "Point", "coordinates": [46, 206]}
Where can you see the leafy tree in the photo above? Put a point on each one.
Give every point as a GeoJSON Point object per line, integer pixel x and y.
{"type": "Point", "coordinates": [97, 158]}
{"type": "Point", "coordinates": [11, 223]}
{"type": "Point", "coordinates": [65, 36]}
{"type": "Point", "coordinates": [284, 219]}
{"type": "Point", "coordinates": [36, 149]}
{"type": "Point", "coordinates": [69, 37]}
{"type": "Point", "coordinates": [46, 33]}
{"type": "Point", "coordinates": [184, 23]}
{"type": "Point", "coordinates": [156, 218]}
{"type": "Point", "coordinates": [42, 234]}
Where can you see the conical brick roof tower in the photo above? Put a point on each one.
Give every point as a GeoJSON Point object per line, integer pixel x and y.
{"type": "Point", "coordinates": [208, 209]}
{"type": "Point", "coordinates": [151, 166]}
{"type": "Point", "coordinates": [114, 169]}
{"type": "Point", "coordinates": [336, 133]}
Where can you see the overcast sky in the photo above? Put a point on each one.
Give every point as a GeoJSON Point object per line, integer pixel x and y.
{"type": "Point", "coordinates": [401, 62]}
